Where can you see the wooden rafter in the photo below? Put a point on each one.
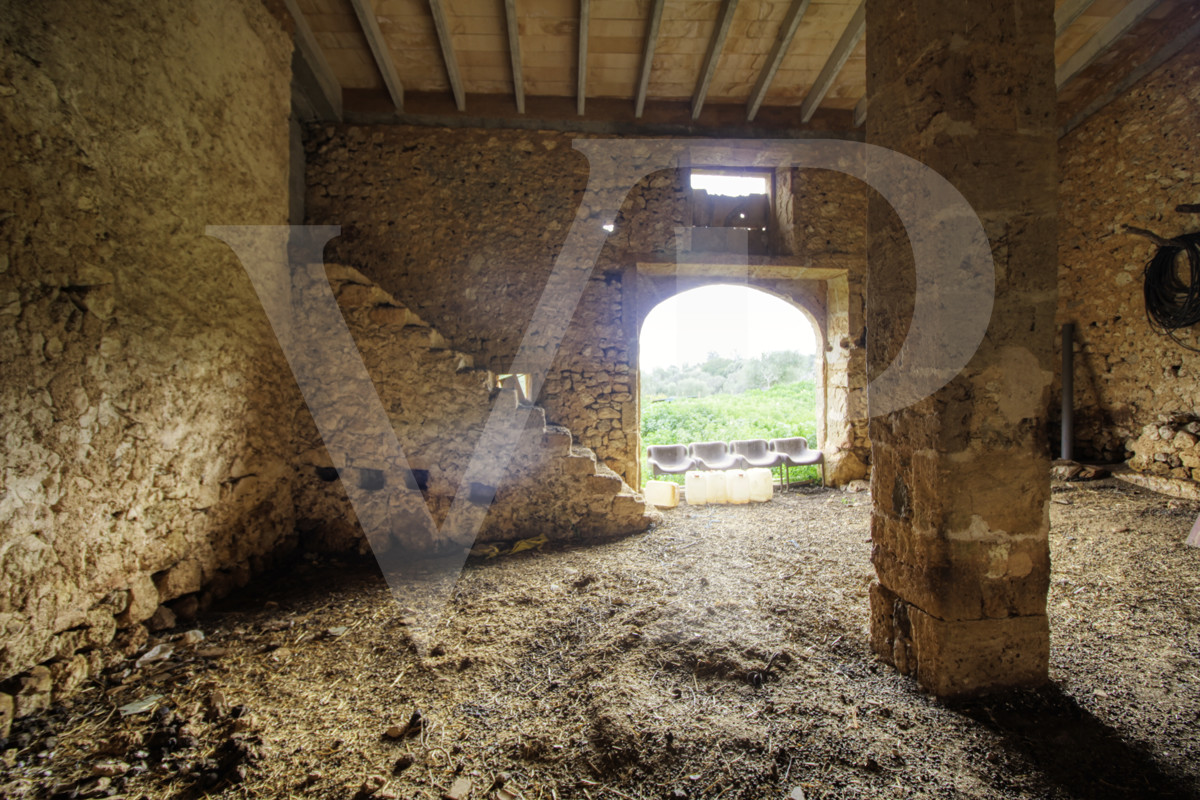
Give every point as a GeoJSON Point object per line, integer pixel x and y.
{"type": "Point", "coordinates": [787, 30]}
{"type": "Point", "coordinates": [451, 61]}
{"type": "Point", "coordinates": [514, 50]}
{"type": "Point", "coordinates": [837, 59]}
{"type": "Point", "coordinates": [715, 44]}
{"type": "Point", "coordinates": [1168, 51]}
{"type": "Point", "coordinates": [652, 24]}
{"type": "Point", "coordinates": [326, 84]}
{"type": "Point", "coordinates": [581, 96]}
{"type": "Point", "coordinates": [860, 111]}
{"type": "Point", "coordinates": [1082, 58]}
{"type": "Point", "coordinates": [379, 48]}
{"type": "Point", "coordinates": [1067, 13]}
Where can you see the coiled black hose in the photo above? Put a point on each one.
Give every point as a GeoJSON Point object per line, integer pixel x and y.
{"type": "Point", "coordinates": [1171, 303]}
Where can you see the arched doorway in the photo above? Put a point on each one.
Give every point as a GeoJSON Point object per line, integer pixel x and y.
{"type": "Point", "coordinates": [721, 362]}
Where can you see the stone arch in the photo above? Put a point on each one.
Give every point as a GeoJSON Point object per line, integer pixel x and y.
{"type": "Point", "coordinates": [814, 294]}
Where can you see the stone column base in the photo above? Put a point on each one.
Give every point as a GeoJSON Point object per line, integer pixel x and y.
{"type": "Point", "coordinates": [963, 657]}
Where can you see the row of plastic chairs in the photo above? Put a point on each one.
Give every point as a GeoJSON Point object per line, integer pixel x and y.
{"type": "Point", "coordinates": [675, 459]}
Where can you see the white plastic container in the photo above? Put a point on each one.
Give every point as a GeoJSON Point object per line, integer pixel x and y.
{"type": "Point", "coordinates": [737, 484]}
{"type": "Point", "coordinates": [695, 486]}
{"type": "Point", "coordinates": [762, 484]}
{"type": "Point", "coordinates": [663, 494]}
{"type": "Point", "coordinates": [715, 484]}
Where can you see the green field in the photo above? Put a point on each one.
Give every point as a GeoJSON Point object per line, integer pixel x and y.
{"type": "Point", "coordinates": [786, 409]}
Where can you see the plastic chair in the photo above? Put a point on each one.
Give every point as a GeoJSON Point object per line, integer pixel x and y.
{"type": "Point", "coordinates": [758, 454]}
{"type": "Point", "coordinates": [796, 454]}
{"type": "Point", "coordinates": [669, 459]}
{"type": "Point", "coordinates": [715, 455]}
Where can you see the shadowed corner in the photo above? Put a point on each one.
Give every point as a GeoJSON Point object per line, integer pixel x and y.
{"type": "Point", "coordinates": [1073, 749]}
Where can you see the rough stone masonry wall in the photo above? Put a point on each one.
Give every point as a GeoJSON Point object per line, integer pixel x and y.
{"type": "Point", "coordinates": [592, 387]}
{"type": "Point", "coordinates": [1136, 392]}
{"type": "Point", "coordinates": [142, 394]}
{"type": "Point", "coordinates": [464, 226]}
{"type": "Point", "coordinates": [438, 403]}
{"type": "Point", "coordinates": [830, 223]}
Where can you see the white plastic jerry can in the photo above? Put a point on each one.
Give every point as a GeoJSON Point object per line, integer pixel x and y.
{"type": "Point", "coordinates": [762, 485]}
{"type": "Point", "coordinates": [738, 486]}
{"type": "Point", "coordinates": [696, 487]}
{"type": "Point", "coordinates": [715, 484]}
{"type": "Point", "coordinates": [663, 494]}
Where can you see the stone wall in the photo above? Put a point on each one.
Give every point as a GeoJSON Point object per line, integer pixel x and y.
{"type": "Point", "coordinates": [145, 401]}
{"type": "Point", "coordinates": [1129, 164]}
{"type": "Point", "coordinates": [830, 223]}
{"type": "Point", "coordinates": [437, 402]}
{"type": "Point", "coordinates": [463, 226]}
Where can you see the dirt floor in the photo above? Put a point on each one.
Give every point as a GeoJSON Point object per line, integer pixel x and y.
{"type": "Point", "coordinates": [721, 655]}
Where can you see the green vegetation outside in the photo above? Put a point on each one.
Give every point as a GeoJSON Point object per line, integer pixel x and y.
{"type": "Point", "coordinates": [721, 375]}
{"type": "Point", "coordinates": [785, 409]}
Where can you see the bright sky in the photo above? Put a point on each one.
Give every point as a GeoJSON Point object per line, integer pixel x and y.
{"type": "Point", "coordinates": [729, 320]}
{"type": "Point", "coordinates": [730, 185]}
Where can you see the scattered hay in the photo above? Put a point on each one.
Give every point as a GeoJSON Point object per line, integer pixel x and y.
{"type": "Point", "coordinates": [722, 655]}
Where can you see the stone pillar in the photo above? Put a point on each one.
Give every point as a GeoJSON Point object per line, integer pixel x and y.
{"type": "Point", "coordinates": [961, 479]}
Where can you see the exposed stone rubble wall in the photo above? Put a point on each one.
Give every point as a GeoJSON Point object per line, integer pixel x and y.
{"type": "Point", "coordinates": [148, 448]}
{"type": "Point", "coordinates": [463, 227]}
{"type": "Point", "coordinates": [438, 403]}
{"type": "Point", "coordinates": [1169, 448]}
{"type": "Point", "coordinates": [960, 480]}
{"type": "Point", "coordinates": [152, 425]}
{"type": "Point", "coordinates": [1129, 164]}
{"type": "Point", "coordinates": [830, 223]}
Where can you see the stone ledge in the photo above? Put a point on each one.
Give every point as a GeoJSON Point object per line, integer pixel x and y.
{"type": "Point", "coordinates": [1175, 487]}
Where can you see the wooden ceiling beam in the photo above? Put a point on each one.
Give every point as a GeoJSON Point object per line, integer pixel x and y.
{"type": "Point", "coordinates": [1092, 49]}
{"type": "Point", "coordinates": [581, 96]}
{"type": "Point", "coordinates": [715, 44]}
{"type": "Point", "coordinates": [514, 50]}
{"type": "Point", "coordinates": [860, 111]}
{"type": "Point", "coordinates": [787, 30]}
{"type": "Point", "coordinates": [379, 48]}
{"type": "Point", "coordinates": [656, 10]}
{"type": "Point", "coordinates": [605, 116]}
{"type": "Point", "coordinates": [324, 89]}
{"type": "Point", "coordinates": [837, 59]}
{"type": "Point", "coordinates": [448, 57]}
{"type": "Point", "coordinates": [1067, 13]}
{"type": "Point", "coordinates": [1164, 54]}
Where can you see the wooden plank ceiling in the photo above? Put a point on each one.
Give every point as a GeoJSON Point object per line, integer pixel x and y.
{"type": "Point", "coordinates": [804, 56]}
